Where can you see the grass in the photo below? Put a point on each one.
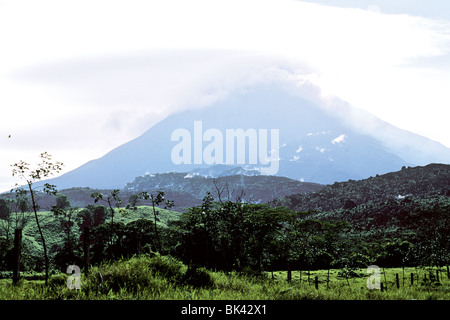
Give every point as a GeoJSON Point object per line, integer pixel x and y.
{"type": "Point", "coordinates": [165, 278]}
{"type": "Point", "coordinates": [153, 278]}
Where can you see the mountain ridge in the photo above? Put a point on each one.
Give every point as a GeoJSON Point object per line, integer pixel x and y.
{"type": "Point", "coordinates": [247, 188]}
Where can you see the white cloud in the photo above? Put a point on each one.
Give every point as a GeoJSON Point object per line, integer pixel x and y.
{"type": "Point", "coordinates": [374, 8]}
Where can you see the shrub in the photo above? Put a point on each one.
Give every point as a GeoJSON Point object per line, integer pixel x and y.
{"type": "Point", "coordinates": [197, 277]}
{"type": "Point", "coordinates": [59, 280]}
{"type": "Point", "coordinates": [167, 267]}
{"type": "Point", "coordinates": [134, 274]}
{"type": "Point", "coordinates": [121, 274]}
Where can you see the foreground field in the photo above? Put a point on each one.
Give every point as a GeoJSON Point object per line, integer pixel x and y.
{"type": "Point", "coordinates": [164, 278]}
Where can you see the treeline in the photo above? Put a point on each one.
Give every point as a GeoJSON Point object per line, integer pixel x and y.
{"type": "Point", "coordinates": [415, 230]}
{"type": "Point", "coordinates": [235, 236]}
{"type": "Point", "coordinates": [229, 235]}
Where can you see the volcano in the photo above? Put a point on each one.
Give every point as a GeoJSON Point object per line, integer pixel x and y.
{"type": "Point", "coordinates": [267, 130]}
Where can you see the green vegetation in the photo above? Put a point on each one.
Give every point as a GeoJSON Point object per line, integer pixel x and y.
{"type": "Point", "coordinates": [223, 249]}
{"type": "Point", "coordinates": [160, 277]}
{"type": "Point", "coordinates": [42, 170]}
{"type": "Point", "coordinates": [245, 244]}
{"type": "Point", "coordinates": [54, 226]}
{"type": "Point", "coordinates": [421, 182]}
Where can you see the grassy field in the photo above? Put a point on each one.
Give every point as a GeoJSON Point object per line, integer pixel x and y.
{"type": "Point", "coordinates": [164, 278]}
{"type": "Point", "coordinates": [153, 278]}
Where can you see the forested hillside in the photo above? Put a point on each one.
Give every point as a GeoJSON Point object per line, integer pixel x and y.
{"type": "Point", "coordinates": [188, 190]}
{"type": "Point", "coordinates": [421, 182]}
{"type": "Point", "coordinates": [252, 189]}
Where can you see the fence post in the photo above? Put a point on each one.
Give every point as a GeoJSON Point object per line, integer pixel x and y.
{"type": "Point", "coordinates": [448, 272]}
{"type": "Point", "coordinates": [397, 281]}
{"type": "Point", "coordinates": [316, 282]}
{"type": "Point", "coordinates": [412, 278]}
{"type": "Point", "coordinates": [381, 287]}
{"type": "Point", "coordinates": [437, 275]}
{"type": "Point", "coordinates": [17, 254]}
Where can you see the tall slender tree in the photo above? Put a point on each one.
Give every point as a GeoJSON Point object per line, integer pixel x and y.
{"type": "Point", "coordinates": [157, 200]}
{"type": "Point", "coordinates": [43, 169]}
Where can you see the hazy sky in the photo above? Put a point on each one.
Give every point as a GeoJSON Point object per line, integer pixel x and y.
{"type": "Point", "coordinates": [78, 78]}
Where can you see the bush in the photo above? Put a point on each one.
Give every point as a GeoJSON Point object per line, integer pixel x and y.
{"type": "Point", "coordinates": [134, 274]}
{"type": "Point", "coordinates": [197, 277]}
{"type": "Point", "coordinates": [121, 274]}
{"type": "Point", "coordinates": [166, 267]}
{"type": "Point", "coordinates": [59, 280]}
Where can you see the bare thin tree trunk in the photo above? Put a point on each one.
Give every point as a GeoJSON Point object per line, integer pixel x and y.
{"type": "Point", "coordinates": [156, 226]}
{"type": "Point", "coordinates": [42, 235]}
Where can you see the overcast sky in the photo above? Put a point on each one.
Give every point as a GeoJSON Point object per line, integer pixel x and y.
{"type": "Point", "coordinates": [78, 78]}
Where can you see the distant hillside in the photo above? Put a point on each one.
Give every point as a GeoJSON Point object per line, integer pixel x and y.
{"type": "Point", "coordinates": [420, 182]}
{"type": "Point", "coordinates": [189, 189]}
{"type": "Point", "coordinates": [395, 216]}
{"type": "Point", "coordinates": [255, 189]}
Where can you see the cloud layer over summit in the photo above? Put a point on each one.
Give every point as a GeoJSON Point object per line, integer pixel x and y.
{"type": "Point", "coordinates": [78, 78]}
